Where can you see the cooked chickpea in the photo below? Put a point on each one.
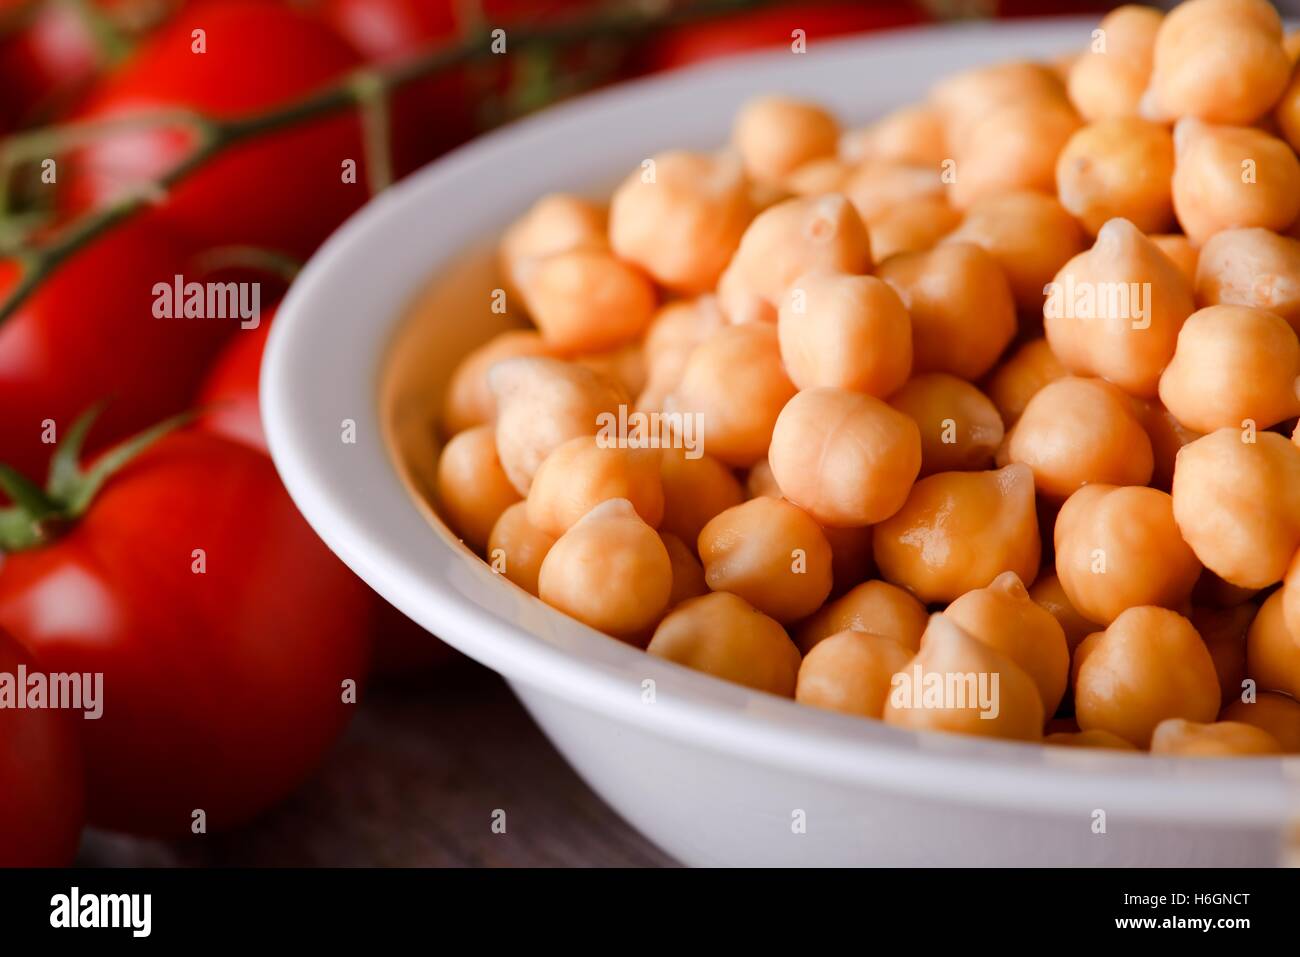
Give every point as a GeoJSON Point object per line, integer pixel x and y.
{"type": "Point", "coordinates": [1149, 665]}
{"type": "Point", "coordinates": [1048, 593]}
{"type": "Point", "coordinates": [625, 365]}
{"type": "Point", "coordinates": [556, 223]}
{"type": "Point", "coordinates": [847, 458]}
{"type": "Point", "coordinates": [1119, 548]}
{"type": "Point", "coordinates": [723, 635]}
{"type": "Point", "coordinates": [1231, 177]}
{"type": "Point", "coordinates": [1118, 167]}
{"type": "Point", "coordinates": [827, 174]}
{"type": "Point", "coordinates": [1075, 431]}
{"type": "Point", "coordinates": [1180, 251]}
{"type": "Point", "coordinates": [1009, 707]}
{"type": "Point", "coordinates": [759, 480]}
{"type": "Point", "coordinates": [469, 401]}
{"type": "Point", "coordinates": [1275, 713]}
{"type": "Point", "coordinates": [1224, 632]}
{"type": "Point", "coordinates": [472, 485]}
{"type": "Point", "coordinates": [1218, 739]}
{"type": "Point", "coordinates": [875, 188]}
{"type": "Point", "coordinates": [960, 530]}
{"type": "Point", "coordinates": [1291, 597]}
{"type": "Point", "coordinates": [850, 332]}
{"type": "Point", "coordinates": [1237, 503]}
{"type": "Point", "coordinates": [1251, 267]}
{"type": "Point", "coordinates": [912, 135]}
{"type": "Point", "coordinates": [735, 382]}
{"type": "Point", "coordinates": [1233, 364]}
{"type": "Point", "coordinates": [960, 428]}
{"type": "Point", "coordinates": [775, 135]}
{"type": "Point", "coordinates": [610, 570]}
{"type": "Point", "coordinates": [696, 488]}
{"type": "Point", "coordinates": [683, 224]}
{"type": "Point", "coordinates": [1167, 436]}
{"type": "Point", "coordinates": [965, 98]}
{"type": "Point", "coordinates": [1287, 114]}
{"type": "Point", "coordinates": [772, 554]}
{"type": "Point", "coordinates": [1020, 377]}
{"type": "Point", "coordinates": [874, 606]}
{"type": "Point", "coordinates": [688, 573]}
{"type": "Point", "coordinates": [1015, 146]}
{"type": "Point", "coordinates": [1114, 311]}
{"type": "Point", "coordinates": [516, 547]}
{"type": "Point", "coordinates": [1272, 652]}
{"type": "Point", "coordinates": [962, 312]}
{"type": "Point", "coordinates": [851, 559]}
{"type": "Point", "coordinates": [542, 403]}
{"type": "Point", "coordinates": [783, 242]}
{"type": "Point", "coordinates": [583, 472]}
{"type": "Point", "coordinates": [912, 227]}
{"type": "Point", "coordinates": [1110, 78]}
{"type": "Point", "coordinates": [851, 671]}
{"type": "Point", "coordinates": [586, 300]}
{"type": "Point", "coordinates": [1089, 739]}
{"type": "Point", "coordinates": [678, 327]}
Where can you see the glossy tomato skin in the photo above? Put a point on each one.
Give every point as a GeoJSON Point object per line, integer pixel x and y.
{"type": "Point", "coordinates": [223, 683]}
{"type": "Point", "coordinates": [42, 793]}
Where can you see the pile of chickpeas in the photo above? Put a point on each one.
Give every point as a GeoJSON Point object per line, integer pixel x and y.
{"type": "Point", "coordinates": [1005, 383]}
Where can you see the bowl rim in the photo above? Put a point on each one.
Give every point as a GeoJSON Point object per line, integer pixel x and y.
{"type": "Point", "coordinates": [320, 356]}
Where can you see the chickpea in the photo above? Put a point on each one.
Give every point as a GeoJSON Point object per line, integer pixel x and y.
{"type": "Point", "coordinates": [1149, 665]}
{"type": "Point", "coordinates": [688, 573]}
{"type": "Point", "coordinates": [472, 486]}
{"type": "Point", "coordinates": [1114, 311]}
{"type": "Point", "coordinates": [1109, 79]}
{"type": "Point", "coordinates": [875, 188]}
{"type": "Point", "coordinates": [1075, 431]}
{"type": "Point", "coordinates": [625, 365]}
{"type": "Point", "coordinates": [1167, 436]}
{"type": "Point", "coordinates": [960, 530]}
{"type": "Point", "coordinates": [943, 290]}
{"type": "Point", "coordinates": [912, 227]}
{"type": "Point", "coordinates": [1220, 60]}
{"type": "Point", "coordinates": [1251, 267]}
{"type": "Point", "coordinates": [965, 98]}
{"type": "Point", "coordinates": [516, 547]}
{"type": "Point", "coordinates": [851, 672]}
{"type": "Point", "coordinates": [678, 327]}
{"type": "Point", "coordinates": [1049, 594]}
{"type": "Point", "coordinates": [556, 223]}
{"type": "Point", "coordinates": [874, 606]}
{"type": "Point", "coordinates": [695, 490]}
{"type": "Point", "coordinates": [1119, 548]}
{"type": "Point", "coordinates": [851, 559]}
{"type": "Point", "coordinates": [583, 472]}
{"type": "Point", "coordinates": [1003, 616]}
{"type": "Point", "coordinates": [1030, 235]}
{"type": "Point", "coordinates": [1275, 713]}
{"type": "Point", "coordinates": [960, 428]}
{"type": "Point", "coordinates": [1118, 167]}
{"type": "Point", "coordinates": [723, 635]}
{"type": "Point", "coordinates": [1224, 632]}
{"type": "Point", "coordinates": [847, 458]}
{"type": "Point", "coordinates": [542, 403]}
{"type": "Point", "coordinates": [1272, 652]}
{"type": "Point", "coordinates": [1229, 177]}
{"type": "Point", "coordinates": [912, 135]}
{"type": "Point", "coordinates": [827, 174]}
{"type": "Point", "coordinates": [1287, 113]}
{"type": "Point", "coordinates": [849, 332]}
{"type": "Point", "coordinates": [469, 401]}
{"type": "Point", "coordinates": [950, 658]}
{"type": "Point", "coordinates": [1237, 504]}
{"type": "Point", "coordinates": [1291, 597]}
{"type": "Point", "coordinates": [610, 570]}
{"type": "Point", "coordinates": [1291, 43]}
{"type": "Point", "coordinates": [1020, 377]}
{"type": "Point", "coordinates": [683, 225]}
{"type": "Point", "coordinates": [1089, 739]}
{"type": "Point", "coordinates": [1180, 251]}
{"type": "Point", "coordinates": [735, 382]}
{"type": "Point", "coordinates": [1015, 146]}
{"type": "Point", "coordinates": [783, 242]}
{"type": "Point", "coordinates": [1233, 364]}
{"type": "Point", "coordinates": [1081, 652]}
{"type": "Point", "coordinates": [775, 135]}
{"type": "Point", "coordinates": [586, 300]}
{"type": "Point", "coordinates": [1219, 739]}
{"type": "Point", "coordinates": [770, 553]}
{"type": "Point", "coordinates": [760, 481]}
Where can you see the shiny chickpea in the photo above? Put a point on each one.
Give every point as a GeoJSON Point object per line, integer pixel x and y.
{"type": "Point", "coordinates": [1114, 311]}
{"type": "Point", "coordinates": [962, 312]}
{"type": "Point", "coordinates": [1237, 503]}
{"type": "Point", "coordinates": [683, 224]}
{"type": "Point", "coordinates": [469, 401]}
{"type": "Point", "coordinates": [775, 135]}
{"type": "Point", "coordinates": [1272, 652]}
{"type": "Point", "coordinates": [992, 695]}
{"type": "Point", "coordinates": [912, 227]}
{"type": "Point", "coordinates": [1218, 739]}
{"type": "Point", "coordinates": [793, 237]}
{"type": "Point", "coordinates": [1119, 548]}
{"type": "Point", "coordinates": [586, 300]}
{"type": "Point", "coordinates": [516, 547]}
{"type": "Point", "coordinates": [610, 570]}
{"type": "Point", "coordinates": [556, 223]}
{"type": "Point", "coordinates": [851, 559]}
{"type": "Point", "coordinates": [1021, 376]}
{"type": "Point", "coordinates": [1049, 594]}
{"type": "Point", "coordinates": [1149, 665]}
{"type": "Point", "coordinates": [1251, 267]}
{"type": "Point", "coordinates": [723, 635]}
{"type": "Point", "coordinates": [960, 428]}
{"type": "Point", "coordinates": [1014, 147]}
{"type": "Point", "coordinates": [772, 554]}
{"type": "Point", "coordinates": [696, 488]}
{"type": "Point", "coordinates": [583, 472]}
{"type": "Point", "coordinates": [1167, 436]}
{"type": "Point", "coordinates": [678, 327]}
{"type": "Point", "coordinates": [1233, 364]}
{"type": "Point", "coordinates": [688, 573]}
{"type": "Point", "coordinates": [1275, 713]}
{"type": "Point", "coordinates": [1180, 251]}
{"type": "Point", "coordinates": [911, 135]}
{"type": "Point", "coordinates": [759, 480]}
{"type": "Point", "coordinates": [874, 606]}
{"type": "Point", "coordinates": [875, 188]}
{"type": "Point", "coordinates": [1089, 739]}
{"type": "Point", "coordinates": [472, 485]}
{"type": "Point", "coordinates": [1224, 632]}
{"type": "Point", "coordinates": [735, 382]}
{"type": "Point", "coordinates": [542, 403]}
{"type": "Point", "coordinates": [960, 530]}
{"type": "Point", "coordinates": [1118, 167]}
{"type": "Point", "coordinates": [847, 458]}
{"type": "Point", "coordinates": [1075, 431]}
{"type": "Point", "coordinates": [851, 671]}
{"type": "Point", "coordinates": [849, 332]}
{"type": "Point", "coordinates": [1110, 78]}
{"type": "Point", "coordinates": [1232, 177]}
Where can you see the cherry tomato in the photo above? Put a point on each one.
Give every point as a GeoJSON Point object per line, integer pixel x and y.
{"type": "Point", "coordinates": [226, 632]}
{"type": "Point", "coordinates": [41, 789]}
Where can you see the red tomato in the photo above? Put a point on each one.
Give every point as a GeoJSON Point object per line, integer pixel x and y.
{"type": "Point", "coordinates": [41, 789]}
{"type": "Point", "coordinates": [223, 683]}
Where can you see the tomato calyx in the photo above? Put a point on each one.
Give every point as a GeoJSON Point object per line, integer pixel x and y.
{"type": "Point", "coordinates": [39, 515]}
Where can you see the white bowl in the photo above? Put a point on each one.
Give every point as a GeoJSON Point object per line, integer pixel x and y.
{"type": "Point", "coordinates": [710, 771]}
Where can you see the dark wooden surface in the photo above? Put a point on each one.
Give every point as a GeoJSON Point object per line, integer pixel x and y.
{"type": "Point", "coordinates": [415, 782]}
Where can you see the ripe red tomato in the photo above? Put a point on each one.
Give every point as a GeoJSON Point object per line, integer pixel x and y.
{"type": "Point", "coordinates": [224, 628]}
{"type": "Point", "coordinates": [41, 789]}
